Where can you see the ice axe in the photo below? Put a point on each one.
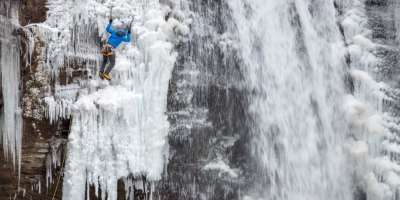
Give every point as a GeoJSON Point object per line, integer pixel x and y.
{"type": "Point", "coordinates": [111, 14]}
{"type": "Point", "coordinates": [131, 22]}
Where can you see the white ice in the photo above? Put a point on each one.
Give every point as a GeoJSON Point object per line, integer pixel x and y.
{"type": "Point", "coordinates": [375, 173]}
{"type": "Point", "coordinates": [118, 128]}
{"type": "Point", "coordinates": [11, 117]}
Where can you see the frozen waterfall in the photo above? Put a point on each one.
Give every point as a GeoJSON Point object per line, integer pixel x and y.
{"type": "Point", "coordinates": [119, 129]}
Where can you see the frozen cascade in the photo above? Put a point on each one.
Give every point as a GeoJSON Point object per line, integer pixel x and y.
{"type": "Point", "coordinates": [11, 120]}
{"type": "Point", "coordinates": [296, 67]}
{"type": "Point", "coordinates": [119, 128]}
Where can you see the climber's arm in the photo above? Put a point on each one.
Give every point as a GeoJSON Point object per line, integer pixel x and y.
{"type": "Point", "coordinates": [109, 27]}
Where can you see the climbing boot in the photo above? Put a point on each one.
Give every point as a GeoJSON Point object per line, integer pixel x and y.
{"type": "Point", "coordinates": [106, 76]}
{"type": "Point", "coordinates": [101, 75]}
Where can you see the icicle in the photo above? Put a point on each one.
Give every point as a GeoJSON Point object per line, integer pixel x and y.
{"type": "Point", "coordinates": [11, 116]}
{"type": "Point", "coordinates": [40, 187]}
{"type": "Point", "coordinates": [49, 171]}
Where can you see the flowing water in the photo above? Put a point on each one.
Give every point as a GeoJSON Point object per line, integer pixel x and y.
{"type": "Point", "coordinates": [294, 63]}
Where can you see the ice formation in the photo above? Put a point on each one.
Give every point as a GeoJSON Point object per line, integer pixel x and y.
{"type": "Point", "coordinates": [118, 128]}
{"type": "Point", "coordinates": [11, 120]}
{"type": "Point", "coordinates": [371, 126]}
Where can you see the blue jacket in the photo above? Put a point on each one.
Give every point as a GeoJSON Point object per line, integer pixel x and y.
{"type": "Point", "coordinates": [117, 36]}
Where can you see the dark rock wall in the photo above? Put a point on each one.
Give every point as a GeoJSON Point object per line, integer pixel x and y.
{"type": "Point", "coordinates": [32, 11]}
{"type": "Point", "coordinates": [207, 111]}
{"type": "Point", "coordinates": [38, 133]}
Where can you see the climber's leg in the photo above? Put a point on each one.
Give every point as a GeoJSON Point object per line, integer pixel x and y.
{"type": "Point", "coordinates": [106, 74]}
{"type": "Point", "coordinates": [103, 64]}
{"type": "Point", "coordinates": [112, 63]}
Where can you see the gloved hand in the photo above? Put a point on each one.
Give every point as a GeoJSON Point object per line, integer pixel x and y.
{"type": "Point", "coordinates": [129, 31]}
{"type": "Point", "coordinates": [111, 20]}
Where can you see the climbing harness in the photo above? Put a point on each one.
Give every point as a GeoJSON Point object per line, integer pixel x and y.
{"type": "Point", "coordinates": [107, 50]}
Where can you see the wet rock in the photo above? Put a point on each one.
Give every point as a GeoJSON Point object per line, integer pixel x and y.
{"type": "Point", "coordinates": [207, 112]}
{"type": "Point", "coordinates": [32, 11]}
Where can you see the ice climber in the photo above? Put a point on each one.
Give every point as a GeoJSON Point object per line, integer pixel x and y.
{"type": "Point", "coordinates": [119, 33]}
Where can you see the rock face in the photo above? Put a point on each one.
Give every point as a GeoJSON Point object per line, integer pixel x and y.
{"type": "Point", "coordinates": [32, 11]}
{"type": "Point", "coordinates": [207, 112]}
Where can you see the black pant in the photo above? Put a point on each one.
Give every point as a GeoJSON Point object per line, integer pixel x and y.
{"type": "Point", "coordinates": [107, 59]}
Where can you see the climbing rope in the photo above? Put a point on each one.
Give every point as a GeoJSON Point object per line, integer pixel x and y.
{"type": "Point", "coordinates": [59, 177]}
